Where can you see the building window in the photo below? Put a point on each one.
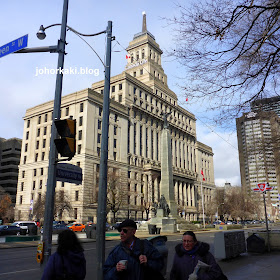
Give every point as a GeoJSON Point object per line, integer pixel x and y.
{"type": "Point", "coordinates": [120, 86]}
{"type": "Point", "coordinates": [24, 160]}
{"type": "Point", "coordinates": [44, 143]}
{"type": "Point", "coordinates": [116, 117]}
{"type": "Point", "coordinates": [98, 151]}
{"type": "Point", "coordinates": [20, 199]}
{"type": "Point", "coordinates": [46, 117]}
{"type": "Point", "coordinates": [141, 71]}
{"type": "Point", "coordinates": [34, 185]}
{"type": "Point", "coordinates": [79, 149]}
{"type": "Point", "coordinates": [81, 107]}
{"type": "Point", "coordinates": [27, 135]}
{"type": "Point", "coordinates": [36, 157]}
{"type": "Point", "coordinates": [80, 134]}
{"type": "Point", "coordinates": [28, 124]}
{"type": "Point", "coordinates": [115, 143]}
{"type": "Point", "coordinates": [62, 184]}
{"type": "Point", "coordinates": [37, 145]}
{"type": "Point", "coordinates": [42, 171]}
{"type": "Point", "coordinates": [39, 119]}
{"type": "Point", "coordinates": [22, 186]}
{"type": "Point", "coordinates": [134, 74]}
{"type": "Point", "coordinates": [80, 121]}
{"type": "Point", "coordinates": [26, 147]}
{"type": "Point", "coordinates": [99, 124]}
{"type": "Point", "coordinates": [45, 130]}
{"type": "Point", "coordinates": [38, 132]}
{"type": "Point", "coordinates": [78, 163]}
{"type": "Point", "coordinates": [41, 184]}
{"type": "Point", "coordinates": [100, 111]}
{"type": "Point", "coordinates": [67, 111]}
{"type": "Point", "coordinates": [113, 88]}
{"type": "Point", "coordinates": [98, 138]}
{"type": "Point", "coordinates": [101, 91]}
{"type": "Point", "coordinates": [115, 130]}
{"type": "Point", "coordinates": [22, 174]}
{"type": "Point", "coordinates": [76, 195]}
{"type": "Point", "coordinates": [43, 156]}
{"type": "Point", "coordinates": [75, 213]}
{"type": "Point", "coordinates": [120, 98]}
{"type": "Point", "coordinates": [35, 172]}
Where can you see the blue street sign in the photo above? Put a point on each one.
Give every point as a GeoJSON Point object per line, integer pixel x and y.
{"type": "Point", "coordinates": [66, 172]}
{"type": "Point", "coordinates": [14, 46]}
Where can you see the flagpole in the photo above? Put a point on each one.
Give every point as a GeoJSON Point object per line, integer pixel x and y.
{"type": "Point", "coordinates": [202, 202]}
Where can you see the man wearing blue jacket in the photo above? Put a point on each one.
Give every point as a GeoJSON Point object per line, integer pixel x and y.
{"type": "Point", "coordinates": [139, 257]}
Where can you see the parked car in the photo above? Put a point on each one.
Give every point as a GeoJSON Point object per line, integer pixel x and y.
{"type": "Point", "coordinates": [24, 224]}
{"type": "Point", "coordinates": [9, 230]}
{"type": "Point", "coordinates": [57, 229]}
{"type": "Point", "coordinates": [115, 226]}
{"type": "Point", "coordinates": [76, 227]}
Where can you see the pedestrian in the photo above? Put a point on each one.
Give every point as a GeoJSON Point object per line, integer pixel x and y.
{"type": "Point", "coordinates": [68, 262]}
{"type": "Point", "coordinates": [132, 259]}
{"type": "Point", "coordinates": [186, 261]}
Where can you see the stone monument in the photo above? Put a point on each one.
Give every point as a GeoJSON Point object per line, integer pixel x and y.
{"type": "Point", "coordinates": [166, 186]}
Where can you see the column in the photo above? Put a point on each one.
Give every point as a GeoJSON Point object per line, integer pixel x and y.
{"type": "Point", "coordinates": [131, 137]}
{"type": "Point", "coordinates": [189, 194]}
{"type": "Point", "coordinates": [137, 137]}
{"type": "Point", "coordinates": [193, 195]}
{"type": "Point", "coordinates": [185, 193]}
{"type": "Point", "coordinates": [176, 191]}
{"type": "Point", "coordinates": [156, 187]}
{"type": "Point", "coordinates": [149, 142]}
{"type": "Point", "coordinates": [180, 194]}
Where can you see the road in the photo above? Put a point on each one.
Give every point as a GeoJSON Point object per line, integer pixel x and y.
{"type": "Point", "coordinates": [21, 263]}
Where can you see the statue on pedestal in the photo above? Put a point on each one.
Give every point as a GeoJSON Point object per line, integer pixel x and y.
{"type": "Point", "coordinates": [163, 205]}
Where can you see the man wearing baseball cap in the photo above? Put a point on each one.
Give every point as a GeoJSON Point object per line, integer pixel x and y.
{"type": "Point", "coordinates": [130, 259]}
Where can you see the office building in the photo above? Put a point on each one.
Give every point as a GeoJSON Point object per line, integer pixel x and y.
{"type": "Point", "coordinates": [9, 160]}
{"type": "Point", "coordinates": [139, 96]}
{"type": "Point", "coordinates": [258, 145]}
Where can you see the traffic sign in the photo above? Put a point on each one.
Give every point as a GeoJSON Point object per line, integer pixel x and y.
{"type": "Point", "coordinates": [263, 187]}
{"type": "Point", "coordinates": [14, 46]}
{"type": "Point", "coordinates": [70, 173]}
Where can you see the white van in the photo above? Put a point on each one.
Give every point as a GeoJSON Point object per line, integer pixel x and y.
{"type": "Point", "coordinates": [24, 224]}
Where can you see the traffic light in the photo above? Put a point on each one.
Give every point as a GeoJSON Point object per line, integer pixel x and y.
{"type": "Point", "coordinates": [66, 145]}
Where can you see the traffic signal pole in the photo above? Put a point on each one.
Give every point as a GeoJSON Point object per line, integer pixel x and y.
{"type": "Point", "coordinates": [51, 182]}
{"type": "Point", "coordinates": [102, 193]}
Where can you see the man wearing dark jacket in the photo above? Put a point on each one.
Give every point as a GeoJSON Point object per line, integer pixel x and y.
{"type": "Point", "coordinates": [187, 255]}
{"type": "Point", "coordinates": [139, 254]}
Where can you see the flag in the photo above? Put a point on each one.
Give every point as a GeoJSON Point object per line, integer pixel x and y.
{"type": "Point", "coordinates": [127, 56]}
{"type": "Point", "coordinates": [203, 178]}
{"type": "Point", "coordinates": [187, 99]}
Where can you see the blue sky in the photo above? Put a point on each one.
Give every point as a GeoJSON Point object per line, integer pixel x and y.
{"type": "Point", "coordinates": [21, 89]}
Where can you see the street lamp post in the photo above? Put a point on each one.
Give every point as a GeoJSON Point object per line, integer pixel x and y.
{"type": "Point", "coordinates": [218, 209]}
{"type": "Point", "coordinates": [51, 182]}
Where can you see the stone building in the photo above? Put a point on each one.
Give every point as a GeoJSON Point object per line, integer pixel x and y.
{"type": "Point", "coordinates": [139, 96]}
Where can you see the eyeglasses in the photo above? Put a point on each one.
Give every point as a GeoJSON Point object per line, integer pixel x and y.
{"type": "Point", "coordinates": [124, 230]}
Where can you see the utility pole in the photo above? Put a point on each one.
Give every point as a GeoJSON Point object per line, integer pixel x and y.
{"type": "Point", "coordinates": [51, 183]}
{"type": "Point", "coordinates": [102, 193]}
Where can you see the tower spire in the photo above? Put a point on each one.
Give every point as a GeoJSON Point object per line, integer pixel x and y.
{"type": "Point", "coordinates": [144, 24]}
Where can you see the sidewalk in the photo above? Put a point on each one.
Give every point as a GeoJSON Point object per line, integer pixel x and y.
{"type": "Point", "coordinates": [247, 266]}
